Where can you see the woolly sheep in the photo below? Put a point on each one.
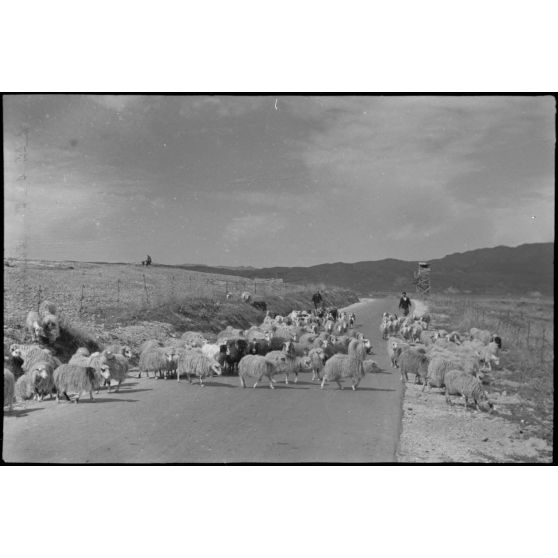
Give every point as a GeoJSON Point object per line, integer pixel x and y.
{"type": "Point", "coordinates": [211, 350]}
{"type": "Point", "coordinates": [426, 337]}
{"type": "Point", "coordinates": [80, 353]}
{"type": "Point", "coordinates": [9, 389]}
{"type": "Point", "coordinates": [117, 349]}
{"type": "Point", "coordinates": [346, 366]}
{"type": "Point", "coordinates": [437, 369]}
{"type": "Point", "coordinates": [394, 348]}
{"type": "Point", "coordinates": [193, 363]}
{"type": "Point", "coordinates": [118, 370]}
{"type": "Point", "coordinates": [194, 338]}
{"type": "Point", "coordinates": [46, 308]}
{"type": "Point", "coordinates": [71, 378]}
{"type": "Point", "coordinates": [317, 360]}
{"type": "Point", "coordinates": [39, 355]}
{"type": "Point", "coordinates": [256, 366]}
{"type": "Point", "coordinates": [288, 363]}
{"type": "Point", "coordinates": [480, 334]}
{"type": "Point", "coordinates": [21, 351]}
{"type": "Point", "coordinates": [149, 345]}
{"type": "Point", "coordinates": [454, 337]}
{"type": "Point", "coordinates": [158, 360]}
{"type": "Point", "coordinates": [33, 325]}
{"type": "Point", "coordinates": [459, 382]}
{"type": "Point", "coordinates": [369, 366]}
{"type": "Point", "coordinates": [490, 354]}
{"type": "Point", "coordinates": [41, 379]}
{"type": "Point", "coordinates": [24, 388]}
{"type": "Point", "coordinates": [415, 361]}
{"type": "Point", "coordinates": [245, 296]}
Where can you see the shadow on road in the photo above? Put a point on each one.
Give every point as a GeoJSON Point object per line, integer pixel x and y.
{"type": "Point", "coordinates": [18, 413]}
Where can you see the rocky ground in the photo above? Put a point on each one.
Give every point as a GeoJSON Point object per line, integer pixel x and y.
{"type": "Point", "coordinates": [434, 432]}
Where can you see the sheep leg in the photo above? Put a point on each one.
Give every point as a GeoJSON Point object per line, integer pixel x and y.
{"type": "Point", "coordinates": [339, 384]}
{"type": "Point", "coordinates": [323, 382]}
{"type": "Point", "coordinates": [255, 384]}
{"type": "Point", "coordinates": [287, 378]}
{"type": "Point", "coordinates": [296, 377]}
{"type": "Point", "coordinates": [448, 400]}
{"type": "Point", "coordinates": [201, 382]}
{"type": "Point", "coordinates": [242, 382]}
{"type": "Point", "coordinates": [118, 385]}
{"type": "Point", "coordinates": [66, 396]}
{"type": "Point", "coordinates": [466, 402]}
{"type": "Point", "coordinates": [91, 394]}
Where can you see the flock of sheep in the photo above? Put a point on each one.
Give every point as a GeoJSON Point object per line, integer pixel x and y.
{"type": "Point", "coordinates": [451, 361]}
{"type": "Point", "coordinates": [326, 344]}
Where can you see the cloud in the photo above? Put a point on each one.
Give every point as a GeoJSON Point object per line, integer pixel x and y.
{"type": "Point", "coordinates": [252, 228]}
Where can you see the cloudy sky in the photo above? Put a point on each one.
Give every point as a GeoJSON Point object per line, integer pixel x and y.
{"type": "Point", "coordinates": [266, 181]}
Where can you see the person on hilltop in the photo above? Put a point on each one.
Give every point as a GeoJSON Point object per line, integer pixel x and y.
{"type": "Point", "coordinates": [405, 303]}
{"type": "Point", "coordinates": [148, 260]}
{"type": "Point", "coordinates": [317, 299]}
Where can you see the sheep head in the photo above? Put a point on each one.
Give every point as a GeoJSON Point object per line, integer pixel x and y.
{"type": "Point", "coordinates": [105, 371]}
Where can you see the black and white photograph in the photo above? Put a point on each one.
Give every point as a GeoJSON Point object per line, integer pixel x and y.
{"type": "Point", "coordinates": [278, 278]}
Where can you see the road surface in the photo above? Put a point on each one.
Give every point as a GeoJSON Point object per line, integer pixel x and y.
{"type": "Point", "coordinates": [157, 421]}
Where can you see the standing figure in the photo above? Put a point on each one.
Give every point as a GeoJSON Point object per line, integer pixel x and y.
{"type": "Point", "coordinates": [405, 303]}
{"type": "Point", "coordinates": [317, 299]}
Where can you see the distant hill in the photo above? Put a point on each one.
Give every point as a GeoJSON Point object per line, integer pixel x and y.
{"type": "Point", "coordinates": [499, 270]}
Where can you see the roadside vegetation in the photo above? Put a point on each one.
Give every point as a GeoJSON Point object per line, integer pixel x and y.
{"type": "Point", "coordinates": [526, 326]}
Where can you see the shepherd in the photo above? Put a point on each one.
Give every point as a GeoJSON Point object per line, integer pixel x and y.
{"type": "Point", "coordinates": [317, 299]}
{"type": "Point", "coordinates": [405, 303]}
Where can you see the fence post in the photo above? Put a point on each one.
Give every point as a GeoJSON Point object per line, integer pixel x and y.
{"type": "Point", "coordinates": [81, 299]}
{"type": "Point", "coordinates": [39, 294]}
{"type": "Point", "coordinates": [542, 346]}
{"type": "Point", "coordinates": [255, 286]}
{"type": "Point", "coordinates": [145, 287]}
{"type": "Point", "coordinates": [118, 292]}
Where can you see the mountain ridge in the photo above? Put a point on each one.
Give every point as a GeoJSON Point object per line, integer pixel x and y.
{"type": "Point", "coordinates": [496, 270]}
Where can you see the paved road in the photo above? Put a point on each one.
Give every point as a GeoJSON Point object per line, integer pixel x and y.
{"type": "Point", "coordinates": [153, 421]}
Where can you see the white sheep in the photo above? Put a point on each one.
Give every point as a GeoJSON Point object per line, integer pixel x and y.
{"type": "Point", "coordinates": [41, 379]}
{"type": "Point", "coordinates": [317, 359]}
{"type": "Point", "coordinates": [118, 349]}
{"type": "Point", "coordinates": [481, 334]}
{"type": "Point", "coordinates": [81, 352]}
{"type": "Point", "coordinates": [246, 296]}
{"type": "Point", "coordinates": [394, 348]}
{"type": "Point", "coordinates": [118, 370]}
{"type": "Point", "coordinates": [369, 366]}
{"type": "Point", "coordinates": [490, 354]}
{"type": "Point", "coordinates": [256, 366]}
{"type": "Point", "coordinates": [71, 378]}
{"type": "Point", "coordinates": [33, 325]}
{"type": "Point", "coordinates": [194, 338]}
{"type": "Point", "coordinates": [9, 389]}
{"type": "Point", "coordinates": [158, 360]}
{"type": "Point", "coordinates": [194, 363]}
{"type": "Point", "coordinates": [38, 354]}
{"type": "Point", "coordinates": [415, 361]}
{"type": "Point", "coordinates": [288, 363]}
{"type": "Point", "coordinates": [461, 383]}
{"type": "Point", "coordinates": [346, 366]}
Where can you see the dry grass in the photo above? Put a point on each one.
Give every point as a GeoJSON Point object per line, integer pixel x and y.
{"type": "Point", "coordinates": [526, 326]}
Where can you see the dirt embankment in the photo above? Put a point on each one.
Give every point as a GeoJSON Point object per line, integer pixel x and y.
{"type": "Point", "coordinates": [434, 432]}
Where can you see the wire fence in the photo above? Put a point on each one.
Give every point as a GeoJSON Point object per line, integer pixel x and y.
{"type": "Point", "coordinates": [80, 290]}
{"type": "Point", "coordinates": [517, 328]}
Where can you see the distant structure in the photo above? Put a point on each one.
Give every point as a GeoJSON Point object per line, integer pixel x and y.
{"type": "Point", "coordinates": [422, 278]}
